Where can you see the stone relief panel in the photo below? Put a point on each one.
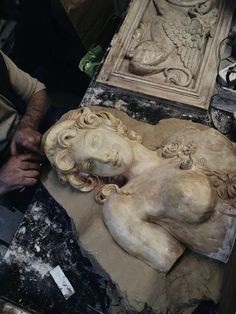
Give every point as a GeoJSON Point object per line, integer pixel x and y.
{"type": "Point", "coordinates": [168, 49]}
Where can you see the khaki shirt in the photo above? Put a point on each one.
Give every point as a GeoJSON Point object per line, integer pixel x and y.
{"type": "Point", "coordinates": [25, 87]}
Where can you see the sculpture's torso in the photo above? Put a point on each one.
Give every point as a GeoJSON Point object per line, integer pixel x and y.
{"type": "Point", "coordinates": [181, 193]}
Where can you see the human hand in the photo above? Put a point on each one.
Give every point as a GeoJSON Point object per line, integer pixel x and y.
{"type": "Point", "coordinates": [19, 171]}
{"type": "Point", "coordinates": [26, 140]}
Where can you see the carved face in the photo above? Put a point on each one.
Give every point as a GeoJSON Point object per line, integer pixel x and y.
{"type": "Point", "coordinates": [102, 152]}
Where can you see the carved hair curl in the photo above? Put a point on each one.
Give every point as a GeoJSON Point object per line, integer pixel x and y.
{"type": "Point", "coordinates": [56, 144]}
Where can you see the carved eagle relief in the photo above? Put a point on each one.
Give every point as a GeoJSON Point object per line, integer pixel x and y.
{"type": "Point", "coordinates": [175, 30]}
{"type": "Point", "coordinates": [188, 39]}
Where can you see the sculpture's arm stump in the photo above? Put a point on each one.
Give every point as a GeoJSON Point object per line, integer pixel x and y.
{"type": "Point", "coordinates": [145, 240]}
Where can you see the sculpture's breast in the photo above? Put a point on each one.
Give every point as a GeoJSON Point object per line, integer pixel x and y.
{"type": "Point", "coordinates": [171, 193]}
{"type": "Point", "coordinates": [188, 198]}
{"type": "Point", "coordinates": [189, 208]}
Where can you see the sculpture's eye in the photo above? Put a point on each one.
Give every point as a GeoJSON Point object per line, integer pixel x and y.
{"type": "Point", "coordinates": [91, 165]}
{"type": "Point", "coordinates": [94, 141]}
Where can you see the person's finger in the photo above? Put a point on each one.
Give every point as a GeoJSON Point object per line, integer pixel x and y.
{"type": "Point", "coordinates": [35, 138]}
{"type": "Point", "coordinates": [29, 181]}
{"type": "Point", "coordinates": [27, 165]}
{"type": "Point", "coordinates": [13, 148]}
{"type": "Point", "coordinates": [31, 158]}
{"type": "Point", "coordinates": [31, 174]}
{"type": "Point", "coordinates": [31, 147]}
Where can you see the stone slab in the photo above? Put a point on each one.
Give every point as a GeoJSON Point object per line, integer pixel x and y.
{"type": "Point", "coordinates": [193, 278]}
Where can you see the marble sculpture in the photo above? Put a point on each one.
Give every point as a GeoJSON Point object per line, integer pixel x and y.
{"type": "Point", "coordinates": [156, 202]}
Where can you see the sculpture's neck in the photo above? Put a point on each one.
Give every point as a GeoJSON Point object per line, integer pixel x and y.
{"type": "Point", "coordinates": [144, 159]}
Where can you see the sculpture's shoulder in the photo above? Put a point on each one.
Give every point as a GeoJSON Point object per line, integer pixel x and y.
{"type": "Point", "coordinates": [118, 202]}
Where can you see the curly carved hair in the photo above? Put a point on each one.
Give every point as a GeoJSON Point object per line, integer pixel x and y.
{"type": "Point", "coordinates": [56, 145]}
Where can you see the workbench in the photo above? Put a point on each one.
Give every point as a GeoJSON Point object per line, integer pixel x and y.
{"type": "Point", "coordinates": [45, 239]}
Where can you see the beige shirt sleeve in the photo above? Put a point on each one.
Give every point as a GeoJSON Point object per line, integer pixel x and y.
{"type": "Point", "coordinates": [24, 85]}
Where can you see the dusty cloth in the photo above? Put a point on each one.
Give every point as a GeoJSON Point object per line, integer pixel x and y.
{"type": "Point", "coordinates": [23, 87]}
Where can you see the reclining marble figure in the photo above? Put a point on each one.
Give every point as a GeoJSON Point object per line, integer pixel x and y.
{"type": "Point", "coordinates": [180, 195]}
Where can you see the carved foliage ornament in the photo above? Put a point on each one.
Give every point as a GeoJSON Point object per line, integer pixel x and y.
{"type": "Point", "coordinates": [224, 184]}
{"type": "Point", "coordinates": [181, 151]}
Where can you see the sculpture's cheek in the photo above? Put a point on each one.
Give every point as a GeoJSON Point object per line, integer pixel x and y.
{"type": "Point", "coordinates": [108, 170]}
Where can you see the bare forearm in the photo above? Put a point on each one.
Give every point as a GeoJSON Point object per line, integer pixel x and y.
{"type": "Point", "coordinates": [26, 137]}
{"type": "Point", "coordinates": [36, 110]}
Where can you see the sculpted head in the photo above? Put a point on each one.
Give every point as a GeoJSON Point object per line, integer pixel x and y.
{"type": "Point", "coordinates": [101, 152]}
{"type": "Point", "coordinates": [84, 143]}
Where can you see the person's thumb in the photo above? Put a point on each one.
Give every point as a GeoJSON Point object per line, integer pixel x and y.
{"type": "Point", "coordinates": [13, 148]}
